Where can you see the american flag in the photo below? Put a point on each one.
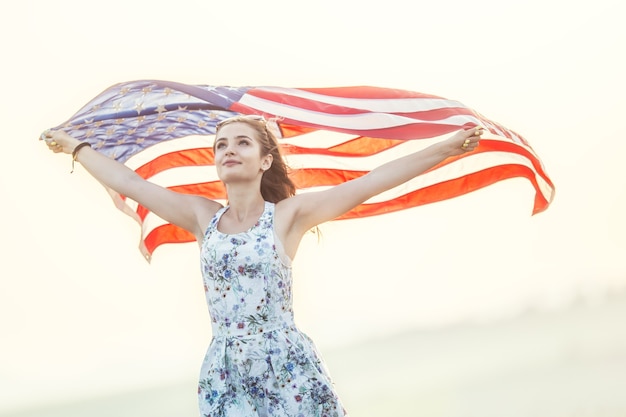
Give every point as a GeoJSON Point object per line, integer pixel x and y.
{"type": "Point", "coordinates": [164, 131]}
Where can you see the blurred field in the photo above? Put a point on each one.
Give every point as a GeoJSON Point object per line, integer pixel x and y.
{"type": "Point", "coordinates": [562, 364]}
{"type": "Point", "coordinates": [569, 363]}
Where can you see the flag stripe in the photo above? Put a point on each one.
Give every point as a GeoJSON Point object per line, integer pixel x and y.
{"type": "Point", "coordinates": [368, 92]}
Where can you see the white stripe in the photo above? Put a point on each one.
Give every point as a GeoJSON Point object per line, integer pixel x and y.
{"type": "Point", "coordinates": [132, 204]}
{"type": "Point", "coordinates": [168, 146]}
{"type": "Point", "coordinates": [185, 175]}
{"type": "Point", "coordinates": [151, 222]}
{"type": "Point", "coordinates": [387, 105]}
{"type": "Point", "coordinates": [363, 121]}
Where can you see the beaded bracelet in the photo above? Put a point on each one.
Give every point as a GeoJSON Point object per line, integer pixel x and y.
{"type": "Point", "coordinates": [75, 153]}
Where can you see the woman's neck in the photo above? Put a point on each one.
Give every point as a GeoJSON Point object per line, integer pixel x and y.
{"type": "Point", "coordinates": [244, 202]}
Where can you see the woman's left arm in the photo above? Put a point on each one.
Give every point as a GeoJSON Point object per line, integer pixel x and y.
{"type": "Point", "coordinates": [315, 208]}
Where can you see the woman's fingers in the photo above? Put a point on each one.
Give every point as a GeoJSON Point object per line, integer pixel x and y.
{"type": "Point", "coordinates": [53, 144]}
{"type": "Point", "coordinates": [471, 138]}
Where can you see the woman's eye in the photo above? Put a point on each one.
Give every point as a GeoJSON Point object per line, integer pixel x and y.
{"type": "Point", "coordinates": [220, 146]}
{"type": "Point", "coordinates": [243, 142]}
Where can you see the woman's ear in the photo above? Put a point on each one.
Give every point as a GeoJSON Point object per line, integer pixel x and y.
{"type": "Point", "coordinates": [267, 162]}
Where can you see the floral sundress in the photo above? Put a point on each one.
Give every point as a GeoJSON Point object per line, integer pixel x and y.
{"type": "Point", "coordinates": [258, 362]}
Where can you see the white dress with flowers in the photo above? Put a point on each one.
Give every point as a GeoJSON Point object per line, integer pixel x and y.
{"type": "Point", "coordinates": [258, 362]}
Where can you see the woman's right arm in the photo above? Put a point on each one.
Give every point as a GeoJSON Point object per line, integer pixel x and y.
{"type": "Point", "coordinates": [190, 212]}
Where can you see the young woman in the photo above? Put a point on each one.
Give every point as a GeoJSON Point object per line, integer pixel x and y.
{"type": "Point", "coordinates": [258, 363]}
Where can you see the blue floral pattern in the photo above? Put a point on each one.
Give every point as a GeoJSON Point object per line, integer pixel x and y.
{"type": "Point", "coordinates": [258, 362]}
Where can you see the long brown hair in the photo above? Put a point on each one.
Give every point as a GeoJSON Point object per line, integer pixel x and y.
{"type": "Point", "coordinates": [276, 185]}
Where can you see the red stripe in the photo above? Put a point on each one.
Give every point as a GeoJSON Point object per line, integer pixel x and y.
{"type": "Point", "coordinates": [438, 114]}
{"type": "Point", "coordinates": [364, 146]}
{"type": "Point", "coordinates": [363, 92]}
{"type": "Point", "coordinates": [167, 233]}
{"type": "Point", "coordinates": [358, 147]}
{"type": "Point", "coordinates": [289, 130]}
{"type": "Point", "coordinates": [318, 177]}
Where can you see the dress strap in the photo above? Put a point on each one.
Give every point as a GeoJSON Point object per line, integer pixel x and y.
{"type": "Point", "coordinates": [214, 221]}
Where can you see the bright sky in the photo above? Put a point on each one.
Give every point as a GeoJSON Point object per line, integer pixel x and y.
{"type": "Point", "coordinates": [78, 302]}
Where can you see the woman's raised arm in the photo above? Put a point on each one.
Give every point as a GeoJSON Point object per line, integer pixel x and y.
{"type": "Point", "coordinates": [190, 212]}
{"type": "Point", "coordinates": [311, 209]}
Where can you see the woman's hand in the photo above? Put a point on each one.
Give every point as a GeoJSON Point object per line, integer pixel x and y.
{"type": "Point", "coordinates": [463, 141]}
{"type": "Point", "coordinates": [59, 142]}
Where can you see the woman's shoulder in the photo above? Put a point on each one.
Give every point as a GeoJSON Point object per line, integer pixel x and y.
{"type": "Point", "coordinates": [286, 213]}
{"type": "Point", "coordinates": [283, 207]}
{"type": "Point", "coordinates": [206, 209]}
{"type": "Point", "coordinates": [207, 206]}
{"type": "Point", "coordinates": [287, 226]}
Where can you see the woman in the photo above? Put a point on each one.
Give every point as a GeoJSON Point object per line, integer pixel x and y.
{"type": "Point", "coordinates": [258, 363]}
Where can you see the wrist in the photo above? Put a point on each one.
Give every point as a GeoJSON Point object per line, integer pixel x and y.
{"type": "Point", "coordinates": [78, 147]}
{"type": "Point", "coordinates": [443, 150]}
{"type": "Point", "coordinates": [76, 150]}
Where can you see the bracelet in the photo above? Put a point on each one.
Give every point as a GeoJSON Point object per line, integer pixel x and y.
{"type": "Point", "coordinates": [75, 153]}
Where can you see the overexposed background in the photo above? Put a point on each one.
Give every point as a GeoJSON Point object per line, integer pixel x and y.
{"type": "Point", "coordinates": [454, 309]}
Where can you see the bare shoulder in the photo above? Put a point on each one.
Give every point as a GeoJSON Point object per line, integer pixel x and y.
{"type": "Point", "coordinates": [287, 226]}
{"type": "Point", "coordinates": [285, 212]}
{"type": "Point", "coordinates": [205, 209]}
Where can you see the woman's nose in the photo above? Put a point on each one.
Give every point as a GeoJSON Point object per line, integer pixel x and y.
{"type": "Point", "coordinates": [227, 149]}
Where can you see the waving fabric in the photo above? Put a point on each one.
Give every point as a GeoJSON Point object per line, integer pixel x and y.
{"type": "Point", "coordinates": [164, 131]}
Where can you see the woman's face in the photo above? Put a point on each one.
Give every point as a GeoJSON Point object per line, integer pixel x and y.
{"type": "Point", "coordinates": [238, 153]}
